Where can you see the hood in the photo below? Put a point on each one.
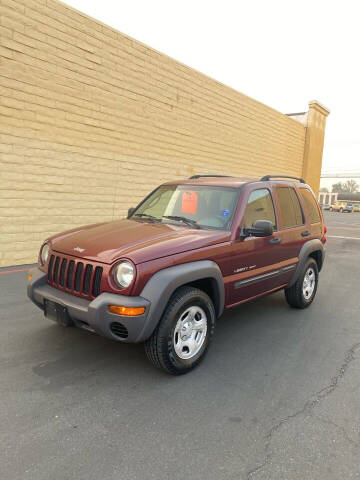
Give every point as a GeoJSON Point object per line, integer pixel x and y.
{"type": "Point", "coordinates": [138, 241]}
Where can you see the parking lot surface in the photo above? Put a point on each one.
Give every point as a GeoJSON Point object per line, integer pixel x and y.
{"type": "Point", "coordinates": [277, 397]}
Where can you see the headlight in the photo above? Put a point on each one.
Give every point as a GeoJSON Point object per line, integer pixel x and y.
{"type": "Point", "coordinates": [124, 274]}
{"type": "Point", "coordinates": [44, 253]}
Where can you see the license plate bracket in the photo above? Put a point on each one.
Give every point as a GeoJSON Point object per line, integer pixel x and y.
{"type": "Point", "coordinates": [58, 313]}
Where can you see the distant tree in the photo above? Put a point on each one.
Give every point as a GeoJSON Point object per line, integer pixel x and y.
{"type": "Point", "coordinates": [351, 186]}
{"type": "Point", "coordinates": [324, 190]}
{"type": "Point", "coordinates": [338, 188]}
{"type": "Point", "coordinates": [347, 187]}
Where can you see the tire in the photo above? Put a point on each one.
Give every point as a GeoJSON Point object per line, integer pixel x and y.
{"type": "Point", "coordinates": [166, 348]}
{"type": "Point", "coordinates": [296, 295]}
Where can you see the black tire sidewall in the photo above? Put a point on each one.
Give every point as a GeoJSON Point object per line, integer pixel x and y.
{"type": "Point", "coordinates": [171, 319]}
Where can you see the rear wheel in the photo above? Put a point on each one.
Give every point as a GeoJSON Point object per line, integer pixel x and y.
{"type": "Point", "coordinates": [182, 337]}
{"type": "Point", "coordinates": [302, 293]}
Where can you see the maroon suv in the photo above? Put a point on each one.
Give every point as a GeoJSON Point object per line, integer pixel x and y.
{"type": "Point", "coordinates": [188, 251]}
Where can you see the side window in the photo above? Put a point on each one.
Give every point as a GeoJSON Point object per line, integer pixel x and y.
{"type": "Point", "coordinates": [310, 202]}
{"type": "Point", "coordinates": [299, 217]}
{"type": "Point", "coordinates": [259, 207]}
{"type": "Point", "coordinates": [290, 207]}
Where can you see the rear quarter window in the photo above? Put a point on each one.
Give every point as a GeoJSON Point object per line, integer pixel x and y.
{"type": "Point", "coordinates": [311, 205]}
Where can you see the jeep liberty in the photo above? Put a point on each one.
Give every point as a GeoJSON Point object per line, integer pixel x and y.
{"type": "Point", "coordinates": [189, 250]}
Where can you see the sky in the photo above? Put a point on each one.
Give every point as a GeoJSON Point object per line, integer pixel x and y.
{"type": "Point", "coordinates": [282, 53]}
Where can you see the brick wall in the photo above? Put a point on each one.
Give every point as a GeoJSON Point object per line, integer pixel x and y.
{"type": "Point", "coordinates": [92, 120]}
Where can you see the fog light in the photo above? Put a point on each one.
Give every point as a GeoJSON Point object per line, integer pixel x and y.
{"type": "Point", "coordinates": [128, 311]}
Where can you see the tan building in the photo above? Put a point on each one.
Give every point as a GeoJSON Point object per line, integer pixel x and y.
{"type": "Point", "coordinates": [327, 198]}
{"type": "Point", "coordinates": [92, 120]}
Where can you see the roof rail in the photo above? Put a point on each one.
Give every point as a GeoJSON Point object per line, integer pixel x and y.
{"type": "Point", "coordinates": [268, 177]}
{"type": "Point", "coordinates": [193, 177]}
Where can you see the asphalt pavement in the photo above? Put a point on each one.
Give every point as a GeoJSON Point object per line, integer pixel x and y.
{"type": "Point", "coordinates": [277, 397]}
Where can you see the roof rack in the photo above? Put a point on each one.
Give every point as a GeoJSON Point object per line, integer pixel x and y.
{"type": "Point", "coordinates": [268, 177]}
{"type": "Point", "coordinates": [200, 176]}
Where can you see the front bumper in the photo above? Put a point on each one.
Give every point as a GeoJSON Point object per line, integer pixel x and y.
{"type": "Point", "coordinates": [92, 315]}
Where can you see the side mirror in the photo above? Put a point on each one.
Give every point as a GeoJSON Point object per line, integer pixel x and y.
{"type": "Point", "coordinates": [260, 228]}
{"type": "Point", "coordinates": [131, 211]}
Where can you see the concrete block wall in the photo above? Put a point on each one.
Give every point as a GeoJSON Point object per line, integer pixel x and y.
{"type": "Point", "coordinates": [92, 120]}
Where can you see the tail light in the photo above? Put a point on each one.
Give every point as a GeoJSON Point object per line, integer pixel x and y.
{"type": "Point", "coordinates": [324, 239]}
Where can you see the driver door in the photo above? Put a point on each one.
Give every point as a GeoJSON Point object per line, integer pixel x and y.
{"type": "Point", "coordinates": [256, 260]}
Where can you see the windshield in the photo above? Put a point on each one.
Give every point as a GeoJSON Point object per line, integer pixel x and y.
{"type": "Point", "coordinates": [192, 205]}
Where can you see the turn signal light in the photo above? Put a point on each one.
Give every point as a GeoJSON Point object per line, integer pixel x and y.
{"type": "Point", "coordinates": [29, 277]}
{"type": "Point", "coordinates": [128, 311]}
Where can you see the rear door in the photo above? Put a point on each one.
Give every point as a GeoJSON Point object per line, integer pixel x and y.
{"type": "Point", "coordinates": [294, 229]}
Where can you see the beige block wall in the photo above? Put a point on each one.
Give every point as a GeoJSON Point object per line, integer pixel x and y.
{"type": "Point", "coordinates": [92, 120]}
{"type": "Point", "coordinates": [314, 143]}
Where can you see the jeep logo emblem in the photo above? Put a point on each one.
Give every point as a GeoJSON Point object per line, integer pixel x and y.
{"type": "Point", "coordinates": [78, 249]}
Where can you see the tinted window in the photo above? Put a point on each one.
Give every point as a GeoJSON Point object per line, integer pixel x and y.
{"type": "Point", "coordinates": [299, 217]}
{"type": "Point", "coordinates": [311, 206]}
{"type": "Point", "coordinates": [259, 207]}
{"type": "Point", "coordinates": [290, 207]}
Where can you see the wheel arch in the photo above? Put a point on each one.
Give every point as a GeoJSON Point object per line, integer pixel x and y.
{"type": "Point", "coordinates": [317, 255]}
{"type": "Point", "coordinates": [211, 288]}
{"type": "Point", "coordinates": [204, 274]}
{"type": "Point", "coordinates": [311, 249]}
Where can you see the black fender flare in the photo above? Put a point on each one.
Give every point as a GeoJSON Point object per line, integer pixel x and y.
{"type": "Point", "coordinates": [163, 284]}
{"type": "Point", "coordinates": [307, 249]}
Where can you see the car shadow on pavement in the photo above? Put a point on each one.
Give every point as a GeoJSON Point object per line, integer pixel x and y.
{"type": "Point", "coordinates": [70, 355]}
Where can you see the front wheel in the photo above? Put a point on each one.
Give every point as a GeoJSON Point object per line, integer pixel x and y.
{"type": "Point", "coordinates": [302, 293]}
{"type": "Point", "coordinates": [182, 337]}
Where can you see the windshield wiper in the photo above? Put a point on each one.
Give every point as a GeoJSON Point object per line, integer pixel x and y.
{"type": "Point", "coordinates": [178, 218]}
{"type": "Point", "coordinates": [147, 216]}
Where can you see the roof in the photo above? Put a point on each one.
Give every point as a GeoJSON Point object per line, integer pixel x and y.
{"type": "Point", "coordinates": [224, 181]}
{"type": "Point", "coordinates": [215, 181]}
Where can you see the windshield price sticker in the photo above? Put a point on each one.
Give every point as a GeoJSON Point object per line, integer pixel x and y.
{"type": "Point", "coordinates": [189, 202]}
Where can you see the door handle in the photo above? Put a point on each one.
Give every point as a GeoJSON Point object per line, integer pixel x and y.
{"type": "Point", "coordinates": [305, 233]}
{"type": "Point", "coordinates": [275, 240]}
